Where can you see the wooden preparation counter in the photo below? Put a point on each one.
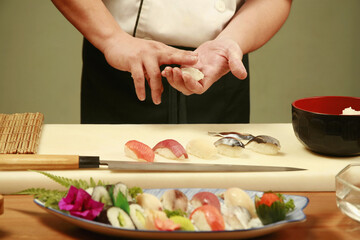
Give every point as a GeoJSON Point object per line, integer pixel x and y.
{"type": "Point", "coordinates": [23, 219]}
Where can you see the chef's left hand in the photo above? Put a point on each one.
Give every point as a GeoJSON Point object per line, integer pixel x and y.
{"type": "Point", "coordinates": [216, 58]}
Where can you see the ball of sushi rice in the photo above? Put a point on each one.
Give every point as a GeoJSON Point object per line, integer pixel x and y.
{"type": "Point", "coordinates": [195, 73]}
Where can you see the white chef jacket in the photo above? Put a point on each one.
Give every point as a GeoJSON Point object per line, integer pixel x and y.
{"type": "Point", "coordinates": [186, 23]}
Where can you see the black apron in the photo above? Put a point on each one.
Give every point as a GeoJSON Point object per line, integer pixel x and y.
{"type": "Point", "coordinates": [108, 97]}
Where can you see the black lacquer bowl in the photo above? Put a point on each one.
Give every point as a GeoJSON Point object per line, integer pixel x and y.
{"type": "Point", "coordinates": [319, 125]}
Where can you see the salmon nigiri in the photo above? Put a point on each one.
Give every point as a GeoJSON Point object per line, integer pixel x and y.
{"type": "Point", "coordinates": [139, 151]}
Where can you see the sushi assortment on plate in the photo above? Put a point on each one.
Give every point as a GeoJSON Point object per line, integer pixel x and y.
{"type": "Point", "coordinates": [230, 144]}
{"type": "Point", "coordinates": [115, 209]}
{"type": "Point", "coordinates": [169, 210]}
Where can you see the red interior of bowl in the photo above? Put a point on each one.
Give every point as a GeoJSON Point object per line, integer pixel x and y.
{"type": "Point", "coordinates": [328, 104]}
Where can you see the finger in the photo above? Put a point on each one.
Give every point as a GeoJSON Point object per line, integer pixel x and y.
{"type": "Point", "coordinates": [179, 57]}
{"type": "Point", "coordinates": [236, 65]}
{"type": "Point", "coordinates": [178, 81]}
{"type": "Point", "coordinates": [137, 73]}
{"type": "Point", "coordinates": [192, 85]}
{"type": "Point", "coordinates": [153, 71]}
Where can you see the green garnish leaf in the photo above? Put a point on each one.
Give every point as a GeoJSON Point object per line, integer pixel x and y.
{"type": "Point", "coordinates": [122, 202]}
{"type": "Point", "coordinates": [67, 182]}
{"type": "Point", "coordinates": [134, 191]}
{"type": "Point", "coordinates": [51, 198]}
{"type": "Point", "coordinates": [176, 212]}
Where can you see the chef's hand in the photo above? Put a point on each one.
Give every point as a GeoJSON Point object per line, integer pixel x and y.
{"type": "Point", "coordinates": [143, 59]}
{"type": "Point", "coordinates": [216, 58]}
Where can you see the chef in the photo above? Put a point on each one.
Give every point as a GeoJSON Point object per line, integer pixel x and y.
{"type": "Point", "coordinates": [133, 51]}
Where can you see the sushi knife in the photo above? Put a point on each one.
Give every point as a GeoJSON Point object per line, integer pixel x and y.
{"type": "Point", "coordinates": [67, 162]}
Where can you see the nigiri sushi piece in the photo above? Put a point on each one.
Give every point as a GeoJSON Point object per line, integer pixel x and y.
{"type": "Point", "coordinates": [234, 197]}
{"type": "Point", "coordinates": [139, 151]}
{"type": "Point", "coordinates": [264, 144]}
{"type": "Point", "coordinates": [207, 218]}
{"type": "Point", "coordinates": [116, 217]}
{"type": "Point", "coordinates": [138, 216]}
{"type": "Point", "coordinates": [171, 149]}
{"type": "Point", "coordinates": [229, 146]}
{"type": "Point", "coordinates": [241, 136]}
{"type": "Point", "coordinates": [201, 148]}
{"type": "Point", "coordinates": [148, 201]}
{"type": "Point", "coordinates": [237, 217]}
{"type": "Point", "coordinates": [174, 199]}
{"type": "Point", "coordinates": [205, 198]}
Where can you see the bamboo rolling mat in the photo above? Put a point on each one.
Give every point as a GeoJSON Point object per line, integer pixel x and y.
{"type": "Point", "coordinates": [20, 132]}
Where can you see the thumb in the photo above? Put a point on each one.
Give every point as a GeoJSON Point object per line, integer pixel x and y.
{"type": "Point", "coordinates": [236, 65]}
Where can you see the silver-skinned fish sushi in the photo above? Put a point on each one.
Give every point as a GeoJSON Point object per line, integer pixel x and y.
{"type": "Point", "coordinates": [229, 146]}
{"type": "Point", "coordinates": [237, 135]}
{"type": "Point", "coordinates": [264, 144]}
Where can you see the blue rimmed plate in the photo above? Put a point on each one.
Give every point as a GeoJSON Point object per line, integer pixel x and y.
{"type": "Point", "coordinates": [295, 216]}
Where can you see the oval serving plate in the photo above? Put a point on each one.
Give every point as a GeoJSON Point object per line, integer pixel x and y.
{"type": "Point", "coordinates": [295, 216]}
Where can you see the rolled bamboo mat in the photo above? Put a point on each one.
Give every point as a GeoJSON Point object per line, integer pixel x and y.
{"type": "Point", "coordinates": [20, 132]}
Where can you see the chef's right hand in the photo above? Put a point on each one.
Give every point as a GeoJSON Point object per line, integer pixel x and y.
{"type": "Point", "coordinates": [143, 59]}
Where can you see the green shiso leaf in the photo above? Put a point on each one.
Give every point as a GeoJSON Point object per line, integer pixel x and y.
{"type": "Point", "coordinates": [122, 202]}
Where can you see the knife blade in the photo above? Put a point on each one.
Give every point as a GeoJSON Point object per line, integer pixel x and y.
{"type": "Point", "coordinates": [67, 162]}
{"type": "Point", "coordinates": [192, 167]}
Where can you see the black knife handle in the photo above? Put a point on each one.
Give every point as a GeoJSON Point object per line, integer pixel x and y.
{"type": "Point", "coordinates": [89, 162]}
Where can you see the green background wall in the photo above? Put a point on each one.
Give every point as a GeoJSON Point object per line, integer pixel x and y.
{"type": "Point", "coordinates": [317, 52]}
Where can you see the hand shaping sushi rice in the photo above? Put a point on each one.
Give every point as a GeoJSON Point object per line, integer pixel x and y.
{"type": "Point", "coordinates": [201, 148]}
{"type": "Point", "coordinates": [196, 74]}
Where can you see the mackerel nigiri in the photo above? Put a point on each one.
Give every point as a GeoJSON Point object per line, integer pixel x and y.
{"type": "Point", "coordinates": [139, 151]}
{"type": "Point", "coordinates": [170, 148]}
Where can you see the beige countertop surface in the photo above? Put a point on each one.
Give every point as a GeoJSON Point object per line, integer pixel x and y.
{"type": "Point", "coordinates": [107, 141]}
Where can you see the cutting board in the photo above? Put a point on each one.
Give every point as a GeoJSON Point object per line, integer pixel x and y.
{"type": "Point", "coordinates": [107, 141]}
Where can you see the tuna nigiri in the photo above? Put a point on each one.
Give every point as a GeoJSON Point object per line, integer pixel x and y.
{"type": "Point", "coordinates": [139, 151]}
{"type": "Point", "coordinates": [170, 148]}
